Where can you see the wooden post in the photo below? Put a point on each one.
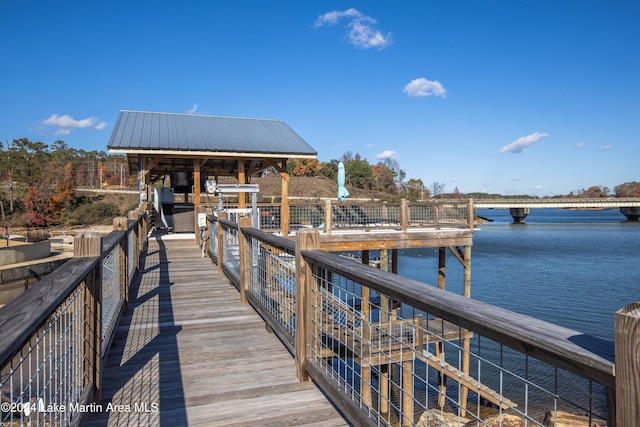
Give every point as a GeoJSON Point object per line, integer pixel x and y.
{"type": "Point", "coordinates": [471, 214]}
{"type": "Point", "coordinates": [305, 239]}
{"type": "Point", "coordinates": [121, 223]}
{"type": "Point", "coordinates": [245, 260]}
{"type": "Point", "coordinates": [466, 343]}
{"type": "Point", "coordinates": [221, 215]}
{"type": "Point", "coordinates": [284, 204]}
{"type": "Point", "coordinates": [196, 199]}
{"type": "Point", "coordinates": [328, 216]}
{"type": "Point", "coordinates": [407, 393]}
{"type": "Point", "coordinates": [627, 327]}
{"type": "Point", "coordinates": [88, 245]}
{"type": "Point", "coordinates": [442, 267]}
{"type": "Point", "coordinates": [242, 179]}
{"type": "Point", "coordinates": [404, 215]}
{"type": "Point", "coordinates": [365, 385]}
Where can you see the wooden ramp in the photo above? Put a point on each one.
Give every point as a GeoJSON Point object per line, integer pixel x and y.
{"type": "Point", "coordinates": [189, 353]}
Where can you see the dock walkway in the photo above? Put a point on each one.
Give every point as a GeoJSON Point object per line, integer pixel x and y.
{"type": "Point", "coordinates": [189, 353]}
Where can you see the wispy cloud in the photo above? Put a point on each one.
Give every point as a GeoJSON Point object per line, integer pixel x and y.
{"type": "Point", "coordinates": [580, 144]}
{"type": "Point", "coordinates": [362, 30]}
{"type": "Point", "coordinates": [422, 87]}
{"type": "Point", "coordinates": [66, 123]}
{"type": "Point", "coordinates": [388, 155]}
{"type": "Point", "coordinates": [193, 109]}
{"type": "Point", "coordinates": [606, 148]}
{"type": "Point", "coordinates": [521, 144]}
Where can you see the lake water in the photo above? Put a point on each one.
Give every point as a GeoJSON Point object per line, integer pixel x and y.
{"type": "Point", "coordinates": [573, 268]}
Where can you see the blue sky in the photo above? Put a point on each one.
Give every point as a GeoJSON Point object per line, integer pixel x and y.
{"type": "Point", "coordinates": [512, 97]}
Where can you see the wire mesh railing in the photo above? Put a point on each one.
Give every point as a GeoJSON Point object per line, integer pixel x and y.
{"type": "Point", "coordinates": [329, 215]}
{"type": "Point", "coordinates": [392, 351]}
{"type": "Point", "coordinates": [54, 336]}
{"type": "Point", "coordinates": [401, 365]}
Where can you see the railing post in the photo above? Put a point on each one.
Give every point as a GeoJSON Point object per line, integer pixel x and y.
{"type": "Point", "coordinates": [133, 216]}
{"type": "Point", "coordinates": [89, 244]}
{"type": "Point", "coordinates": [404, 215]}
{"type": "Point", "coordinates": [121, 223]}
{"type": "Point", "coordinates": [221, 215]}
{"type": "Point", "coordinates": [471, 214]}
{"type": "Point", "coordinates": [305, 239]}
{"type": "Point", "coordinates": [627, 327]}
{"type": "Point", "coordinates": [328, 216]}
{"type": "Point", "coordinates": [245, 261]}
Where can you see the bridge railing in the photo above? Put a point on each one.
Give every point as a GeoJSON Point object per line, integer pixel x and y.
{"type": "Point", "coordinates": [389, 350]}
{"type": "Point", "coordinates": [54, 336]}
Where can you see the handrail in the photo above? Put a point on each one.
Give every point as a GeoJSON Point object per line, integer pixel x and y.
{"type": "Point", "coordinates": [21, 317]}
{"type": "Point", "coordinates": [543, 340]}
{"type": "Point", "coordinates": [67, 322]}
{"type": "Point", "coordinates": [271, 282]}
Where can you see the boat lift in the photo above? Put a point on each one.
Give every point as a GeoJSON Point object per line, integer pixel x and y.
{"type": "Point", "coordinates": [221, 189]}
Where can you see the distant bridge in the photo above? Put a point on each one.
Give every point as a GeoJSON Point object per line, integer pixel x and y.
{"type": "Point", "coordinates": [519, 208]}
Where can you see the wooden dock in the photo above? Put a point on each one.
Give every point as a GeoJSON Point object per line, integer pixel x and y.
{"type": "Point", "coordinates": [189, 353]}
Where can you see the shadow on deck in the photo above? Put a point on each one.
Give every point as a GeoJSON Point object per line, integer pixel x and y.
{"type": "Point", "coordinates": [189, 353]}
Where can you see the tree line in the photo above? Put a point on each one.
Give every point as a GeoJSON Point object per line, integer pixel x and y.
{"type": "Point", "coordinates": [39, 181]}
{"type": "Point", "coordinates": [387, 177]}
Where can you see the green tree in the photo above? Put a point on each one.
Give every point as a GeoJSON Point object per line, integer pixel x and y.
{"type": "Point", "coordinates": [415, 190]}
{"type": "Point", "coordinates": [359, 174]}
{"type": "Point", "coordinates": [330, 169]}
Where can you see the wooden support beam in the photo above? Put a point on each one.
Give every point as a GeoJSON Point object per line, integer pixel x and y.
{"type": "Point", "coordinates": [245, 263]}
{"type": "Point", "coordinates": [284, 209]}
{"type": "Point", "coordinates": [442, 268]}
{"type": "Point", "coordinates": [627, 336]}
{"type": "Point", "coordinates": [196, 198]}
{"type": "Point", "coordinates": [404, 215]}
{"type": "Point", "coordinates": [305, 239]}
{"type": "Point", "coordinates": [85, 245]}
{"type": "Point", "coordinates": [242, 179]}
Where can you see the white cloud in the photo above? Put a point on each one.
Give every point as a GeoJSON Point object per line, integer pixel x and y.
{"type": "Point", "coordinates": [362, 30]}
{"type": "Point", "coordinates": [388, 155]}
{"type": "Point", "coordinates": [606, 148]}
{"type": "Point", "coordinates": [521, 144]}
{"type": "Point", "coordinates": [422, 87]}
{"type": "Point", "coordinates": [66, 123]}
{"type": "Point", "coordinates": [580, 144]}
{"type": "Point", "coordinates": [193, 109]}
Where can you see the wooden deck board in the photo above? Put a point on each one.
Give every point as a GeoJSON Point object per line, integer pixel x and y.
{"type": "Point", "coordinates": [188, 345]}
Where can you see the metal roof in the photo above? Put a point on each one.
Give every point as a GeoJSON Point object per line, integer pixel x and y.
{"type": "Point", "coordinates": [140, 131]}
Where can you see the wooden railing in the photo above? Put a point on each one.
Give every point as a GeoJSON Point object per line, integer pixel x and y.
{"type": "Point", "coordinates": [383, 346]}
{"type": "Point", "coordinates": [333, 215]}
{"type": "Point", "coordinates": [54, 336]}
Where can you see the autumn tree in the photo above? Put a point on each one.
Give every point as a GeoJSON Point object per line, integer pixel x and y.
{"type": "Point", "coordinates": [306, 167]}
{"type": "Point", "coordinates": [628, 189]}
{"type": "Point", "coordinates": [384, 178]}
{"type": "Point", "coordinates": [595, 192]}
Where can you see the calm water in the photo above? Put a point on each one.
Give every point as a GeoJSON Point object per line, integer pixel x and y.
{"type": "Point", "coordinates": [572, 268]}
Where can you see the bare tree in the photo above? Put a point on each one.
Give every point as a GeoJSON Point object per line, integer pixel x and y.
{"type": "Point", "coordinates": [436, 188]}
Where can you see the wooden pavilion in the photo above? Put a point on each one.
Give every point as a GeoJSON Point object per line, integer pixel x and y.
{"type": "Point", "coordinates": [193, 148]}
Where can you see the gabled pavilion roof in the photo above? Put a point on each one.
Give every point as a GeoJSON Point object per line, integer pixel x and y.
{"type": "Point", "coordinates": [176, 138]}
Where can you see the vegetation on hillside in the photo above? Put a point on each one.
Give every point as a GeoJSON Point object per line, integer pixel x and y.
{"type": "Point", "coordinates": [39, 183]}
